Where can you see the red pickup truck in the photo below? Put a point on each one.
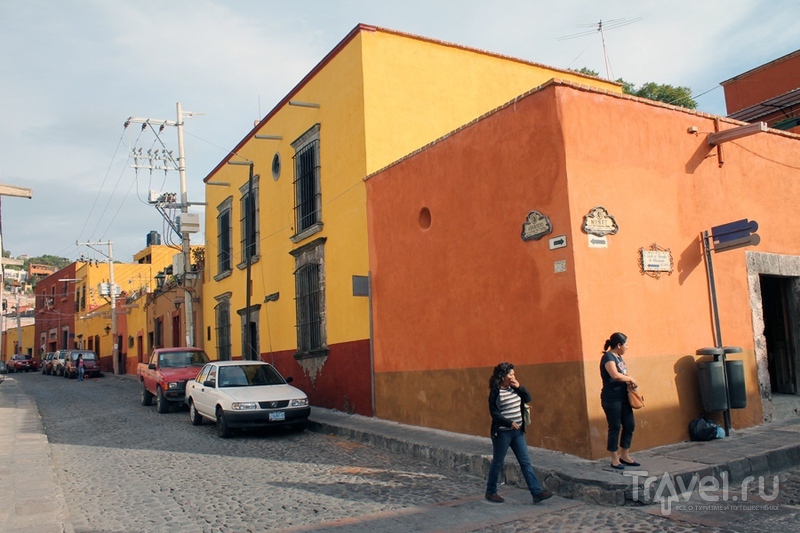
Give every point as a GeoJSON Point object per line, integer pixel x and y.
{"type": "Point", "coordinates": [166, 374]}
{"type": "Point", "coordinates": [21, 363]}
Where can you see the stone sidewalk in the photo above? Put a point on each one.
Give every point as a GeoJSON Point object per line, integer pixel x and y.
{"type": "Point", "coordinates": [758, 451]}
{"type": "Point", "coordinates": [31, 498]}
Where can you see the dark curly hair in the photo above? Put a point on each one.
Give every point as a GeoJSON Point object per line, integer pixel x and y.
{"type": "Point", "coordinates": [499, 374]}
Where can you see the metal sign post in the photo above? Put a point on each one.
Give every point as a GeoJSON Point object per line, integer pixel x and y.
{"type": "Point", "coordinates": [723, 238]}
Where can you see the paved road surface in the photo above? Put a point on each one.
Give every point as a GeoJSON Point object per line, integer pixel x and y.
{"type": "Point", "coordinates": [125, 468]}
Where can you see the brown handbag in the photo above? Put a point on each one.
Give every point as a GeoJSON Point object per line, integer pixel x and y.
{"type": "Point", "coordinates": [635, 398]}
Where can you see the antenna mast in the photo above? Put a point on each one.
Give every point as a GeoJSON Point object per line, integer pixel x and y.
{"type": "Point", "coordinates": [599, 27]}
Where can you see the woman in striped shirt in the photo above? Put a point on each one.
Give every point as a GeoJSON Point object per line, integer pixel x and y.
{"type": "Point", "coordinates": [506, 398]}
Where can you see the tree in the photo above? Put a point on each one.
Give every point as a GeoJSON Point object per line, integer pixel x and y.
{"type": "Point", "coordinates": [661, 92]}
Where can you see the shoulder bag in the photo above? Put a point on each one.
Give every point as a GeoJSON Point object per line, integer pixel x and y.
{"type": "Point", "coordinates": [526, 414]}
{"type": "Point", "coordinates": [635, 398]}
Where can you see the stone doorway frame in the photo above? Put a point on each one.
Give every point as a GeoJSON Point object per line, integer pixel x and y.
{"type": "Point", "coordinates": [759, 263]}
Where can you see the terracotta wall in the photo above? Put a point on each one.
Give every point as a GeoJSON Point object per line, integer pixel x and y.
{"type": "Point", "coordinates": [456, 290]}
{"type": "Point", "coordinates": [665, 186]}
{"type": "Point", "coordinates": [339, 381]}
{"type": "Point", "coordinates": [773, 79]}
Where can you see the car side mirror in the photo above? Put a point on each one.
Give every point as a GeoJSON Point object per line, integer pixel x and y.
{"type": "Point", "coordinates": [151, 366]}
{"type": "Point", "coordinates": [289, 379]}
{"type": "Point", "coordinates": [209, 383]}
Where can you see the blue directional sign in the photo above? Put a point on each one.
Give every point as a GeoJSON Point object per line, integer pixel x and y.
{"type": "Point", "coordinates": [735, 235]}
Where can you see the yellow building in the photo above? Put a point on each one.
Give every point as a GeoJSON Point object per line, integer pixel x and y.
{"type": "Point", "coordinates": [93, 325]}
{"type": "Point", "coordinates": [377, 96]}
{"type": "Point", "coordinates": [14, 333]}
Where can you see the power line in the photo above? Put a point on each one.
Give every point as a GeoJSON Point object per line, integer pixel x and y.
{"type": "Point", "coordinates": [601, 27]}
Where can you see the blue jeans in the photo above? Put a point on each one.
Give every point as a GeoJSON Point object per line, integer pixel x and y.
{"type": "Point", "coordinates": [501, 442]}
{"type": "Point", "coordinates": [80, 373]}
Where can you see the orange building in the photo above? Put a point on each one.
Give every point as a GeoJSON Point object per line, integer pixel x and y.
{"type": "Point", "coordinates": [769, 93]}
{"type": "Point", "coordinates": [521, 237]}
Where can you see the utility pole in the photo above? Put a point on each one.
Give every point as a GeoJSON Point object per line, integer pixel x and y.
{"type": "Point", "coordinates": [169, 163]}
{"type": "Point", "coordinates": [113, 294]}
{"type": "Point", "coordinates": [21, 192]}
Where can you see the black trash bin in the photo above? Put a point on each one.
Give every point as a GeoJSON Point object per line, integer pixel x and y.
{"type": "Point", "coordinates": [712, 385]}
{"type": "Point", "coordinates": [736, 389]}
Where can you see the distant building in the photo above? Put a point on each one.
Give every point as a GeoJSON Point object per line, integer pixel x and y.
{"type": "Point", "coordinates": [19, 276]}
{"type": "Point", "coordinates": [36, 271]}
{"type": "Point", "coordinates": [769, 93]}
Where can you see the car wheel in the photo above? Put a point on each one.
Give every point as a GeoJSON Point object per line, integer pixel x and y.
{"type": "Point", "coordinates": [162, 404]}
{"type": "Point", "coordinates": [194, 416]}
{"type": "Point", "coordinates": [223, 431]}
{"type": "Point", "coordinates": [65, 374]}
{"type": "Point", "coordinates": [147, 396]}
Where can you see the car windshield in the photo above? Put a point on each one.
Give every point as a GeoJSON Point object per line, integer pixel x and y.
{"type": "Point", "coordinates": [182, 359]}
{"type": "Point", "coordinates": [248, 376]}
{"type": "Point", "coordinates": [87, 356]}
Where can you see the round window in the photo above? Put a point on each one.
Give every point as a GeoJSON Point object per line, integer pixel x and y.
{"type": "Point", "coordinates": [276, 166]}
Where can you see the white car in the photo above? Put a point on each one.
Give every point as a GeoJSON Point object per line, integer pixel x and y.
{"type": "Point", "coordinates": [243, 394]}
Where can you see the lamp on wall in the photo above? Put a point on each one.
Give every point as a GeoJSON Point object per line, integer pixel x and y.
{"type": "Point", "coordinates": [177, 302]}
{"type": "Point", "coordinates": [108, 328]}
{"type": "Point", "coordinates": [160, 277]}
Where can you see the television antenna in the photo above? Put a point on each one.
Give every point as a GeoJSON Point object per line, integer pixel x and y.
{"type": "Point", "coordinates": [601, 27]}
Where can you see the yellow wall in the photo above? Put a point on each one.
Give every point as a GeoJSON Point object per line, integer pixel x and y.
{"type": "Point", "coordinates": [338, 89]}
{"type": "Point", "coordinates": [382, 94]}
{"type": "Point", "coordinates": [136, 319]}
{"type": "Point", "coordinates": [11, 338]}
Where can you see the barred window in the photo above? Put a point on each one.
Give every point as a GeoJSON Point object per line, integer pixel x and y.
{"type": "Point", "coordinates": [248, 221]}
{"type": "Point", "coordinates": [307, 193]}
{"type": "Point", "coordinates": [223, 329]}
{"type": "Point", "coordinates": [224, 247]}
{"type": "Point", "coordinates": [309, 321]}
{"type": "Point", "coordinates": [224, 254]}
{"type": "Point", "coordinates": [310, 298]}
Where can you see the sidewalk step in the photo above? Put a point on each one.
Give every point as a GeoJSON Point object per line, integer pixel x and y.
{"type": "Point", "coordinates": [760, 451]}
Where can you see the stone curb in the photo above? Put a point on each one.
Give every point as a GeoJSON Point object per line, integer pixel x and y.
{"type": "Point", "coordinates": [574, 477]}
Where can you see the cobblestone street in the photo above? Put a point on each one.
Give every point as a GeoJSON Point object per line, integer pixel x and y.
{"type": "Point", "coordinates": [125, 468]}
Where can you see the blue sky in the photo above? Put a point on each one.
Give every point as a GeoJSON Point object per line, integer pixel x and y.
{"type": "Point", "coordinates": [72, 72]}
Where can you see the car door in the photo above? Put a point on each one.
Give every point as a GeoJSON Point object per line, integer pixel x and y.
{"type": "Point", "coordinates": [204, 395]}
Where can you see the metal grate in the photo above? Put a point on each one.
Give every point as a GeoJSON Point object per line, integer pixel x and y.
{"type": "Point", "coordinates": [224, 242]}
{"type": "Point", "coordinates": [223, 328]}
{"type": "Point", "coordinates": [306, 186]}
{"type": "Point", "coordinates": [309, 309]}
{"type": "Point", "coordinates": [274, 405]}
{"type": "Point", "coordinates": [248, 226]}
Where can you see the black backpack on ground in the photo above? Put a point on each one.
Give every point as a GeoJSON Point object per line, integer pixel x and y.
{"type": "Point", "coordinates": [701, 429]}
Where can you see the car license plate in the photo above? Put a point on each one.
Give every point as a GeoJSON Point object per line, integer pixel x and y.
{"type": "Point", "coordinates": [276, 416]}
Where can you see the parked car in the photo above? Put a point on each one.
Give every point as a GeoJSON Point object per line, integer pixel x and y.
{"type": "Point", "coordinates": [243, 394]}
{"type": "Point", "coordinates": [58, 362]}
{"type": "Point", "coordinates": [47, 360]}
{"type": "Point", "coordinates": [21, 363]}
{"type": "Point", "coordinates": [164, 377]}
{"type": "Point", "coordinates": [91, 365]}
